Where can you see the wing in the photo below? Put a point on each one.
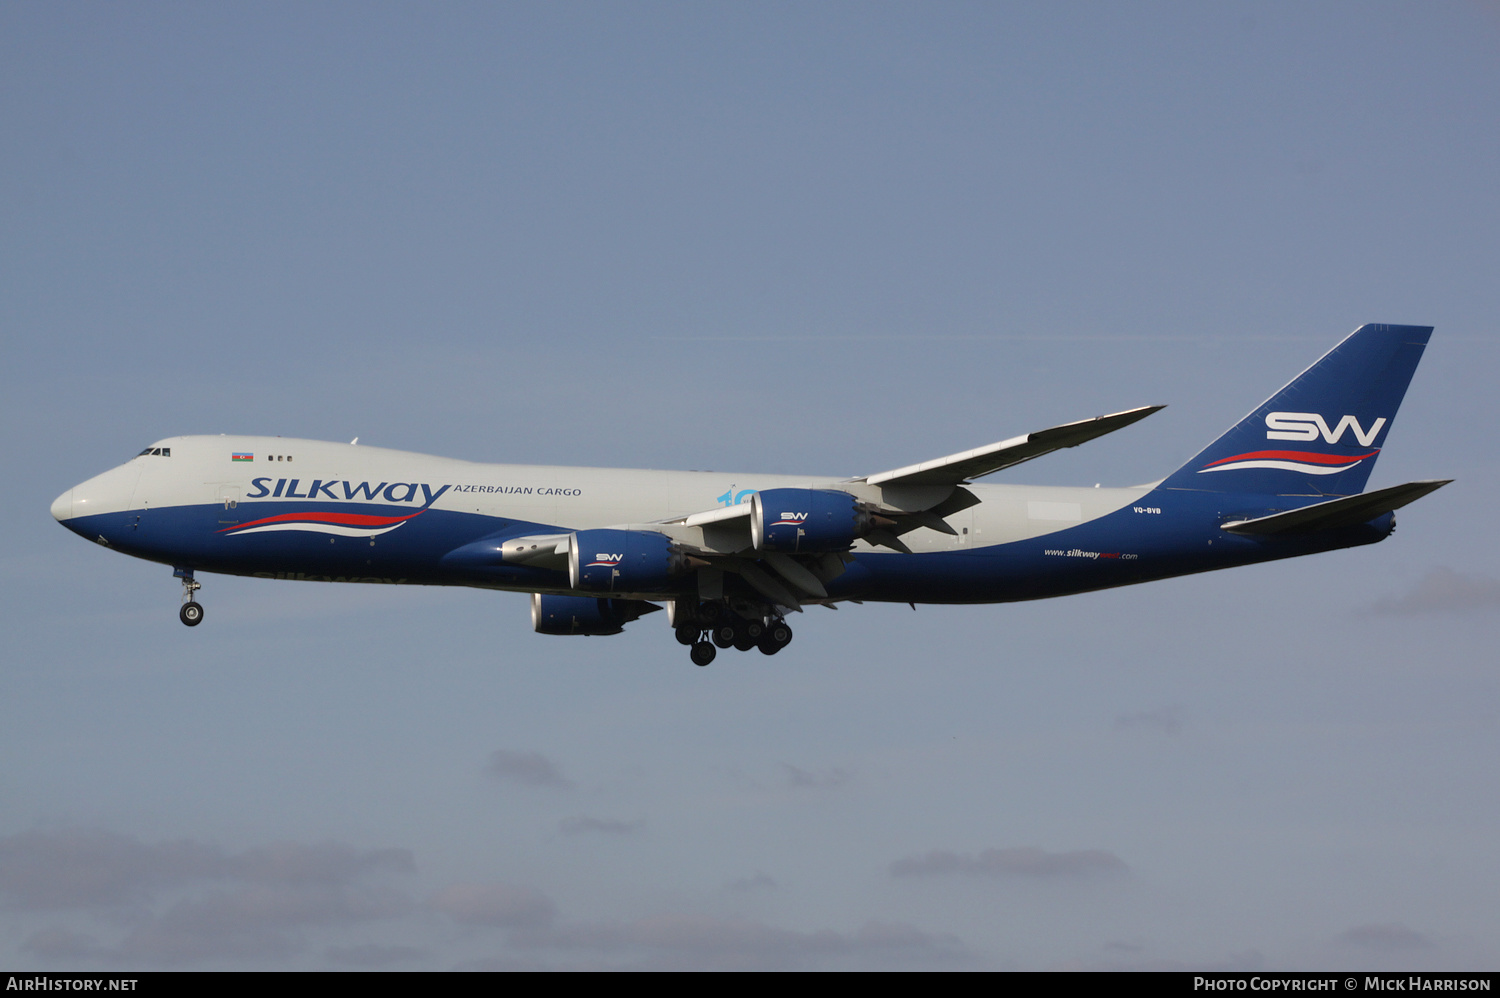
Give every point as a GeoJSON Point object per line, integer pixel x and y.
{"type": "Point", "coordinates": [956, 469]}
{"type": "Point", "coordinates": [720, 542]}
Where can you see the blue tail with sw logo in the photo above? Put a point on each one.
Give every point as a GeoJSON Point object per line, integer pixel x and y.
{"type": "Point", "coordinates": [1321, 434]}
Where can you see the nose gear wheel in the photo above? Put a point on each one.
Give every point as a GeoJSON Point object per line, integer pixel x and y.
{"type": "Point", "coordinates": [191, 613]}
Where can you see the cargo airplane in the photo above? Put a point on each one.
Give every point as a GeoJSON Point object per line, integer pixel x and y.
{"type": "Point", "coordinates": [730, 555]}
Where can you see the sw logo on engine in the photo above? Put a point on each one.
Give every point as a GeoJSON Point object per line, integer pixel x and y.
{"type": "Point", "coordinates": [1311, 425]}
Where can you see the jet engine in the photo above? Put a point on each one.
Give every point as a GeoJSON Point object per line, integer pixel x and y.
{"type": "Point", "coordinates": [612, 561]}
{"type": "Point", "coordinates": [584, 614]}
{"type": "Point", "coordinates": [792, 520]}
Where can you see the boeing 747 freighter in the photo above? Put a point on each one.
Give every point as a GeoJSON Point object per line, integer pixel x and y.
{"type": "Point", "coordinates": [730, 555]}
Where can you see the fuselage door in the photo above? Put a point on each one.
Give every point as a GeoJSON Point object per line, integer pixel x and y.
{"type": "Point", "coordinates": [230, 496]}
{"type": "Point", "coordinates": [963, 522]}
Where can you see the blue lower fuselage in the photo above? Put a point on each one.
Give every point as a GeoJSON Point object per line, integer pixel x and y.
{"type": "Point", "coordinates": [1181, 536]}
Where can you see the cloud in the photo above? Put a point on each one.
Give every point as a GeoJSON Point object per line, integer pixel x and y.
{"type": "Point", "coordinates": [252, 904]}
{"type": "Point", "coordinates": [63, 944]}
{"type": "Point", "coordinates": [761, 881]}
{"type": "Point", "coordinates": [581, 824]}
{"type": "Point", "coordinates": [898, 938]}
{"type": "Point", "coordinates": [1234, 963]}
{"type": "Point", "coordinates": [531, 769]}
{"type": "Point", "coordinates": [253, 922]}
{"type": "Point", "coordinates": [176, 941]}
{"type": "Point", "coordinates": [1442, 590]}
{"type": "Point", "coordinates": [373, 955]}
{"type": "Point", "coordinates": [264, 905]}
{"type": "Point", "coordinates": [1116, 946]}
{"type": "Point", "coordinates": [180, 944]}
{"type": "Point", "coordinates": [681, 941]}
{"type": "Point", "coordinates": [798, 777]}
{"type": "Point", "coordinates": [321, 863]}
{"type": "Point", "coordinates": [502, 965]}
{"type": "Point", "coordinates": [75, 868]}
{"type": "Point", "coordinates": [500, 905]}
{"type": "Point", "coordinates": [1165, 719]}
{"type": "Point", "coordinates": [1387, 937]}
{"type": "Point", "coordinates": [1025, 861]}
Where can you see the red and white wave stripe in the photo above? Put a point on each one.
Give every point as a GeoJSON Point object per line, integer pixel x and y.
{"type": "Point", "coordinates": [1289, 460]}
{"type": "Point", "coordinates": [337, 524]}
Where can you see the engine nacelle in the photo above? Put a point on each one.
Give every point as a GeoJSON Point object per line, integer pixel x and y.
{"type": "Point", "coordinates": [614, 561]}
{"type": "Point", "coordinates": [584, 614]}
{"type": "Point", "coordinates": [792, 520]}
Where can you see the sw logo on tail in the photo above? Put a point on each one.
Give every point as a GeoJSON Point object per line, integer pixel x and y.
{"type": "Point", "coordinates": [1309, 425]}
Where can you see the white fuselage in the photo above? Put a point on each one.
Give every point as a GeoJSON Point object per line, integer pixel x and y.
{"type": "Point", "coordinates": [200, 471]}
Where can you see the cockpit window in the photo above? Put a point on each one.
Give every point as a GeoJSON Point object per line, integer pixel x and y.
{"type": "Point", "coordinates": [156, 452]}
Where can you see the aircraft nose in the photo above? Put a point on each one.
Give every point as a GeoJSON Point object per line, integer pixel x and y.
{"type": "Point", "coordinates": [62, 507]}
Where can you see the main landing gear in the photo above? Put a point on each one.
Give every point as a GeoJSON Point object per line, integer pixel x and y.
{"type": "Point", "coordinates": [728, 629]}
{"type": "Point", "coordinates": [191, 613]}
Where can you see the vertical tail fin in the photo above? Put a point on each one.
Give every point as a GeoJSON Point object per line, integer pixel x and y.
{"type": "Point", "coordinates": [1321, 434]}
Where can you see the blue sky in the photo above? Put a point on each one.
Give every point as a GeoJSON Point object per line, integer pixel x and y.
{"type": "Point", "coordinates": [766, 237]}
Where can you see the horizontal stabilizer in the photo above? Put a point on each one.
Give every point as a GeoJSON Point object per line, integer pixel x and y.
{"type": "Point", "coordinates": [1345, 512]}
{"type": "Point", "coordinates": [955, 469]}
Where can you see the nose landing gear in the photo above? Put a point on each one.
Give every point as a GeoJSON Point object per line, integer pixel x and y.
{"type": "Point", "coordinates": [191, 613]}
